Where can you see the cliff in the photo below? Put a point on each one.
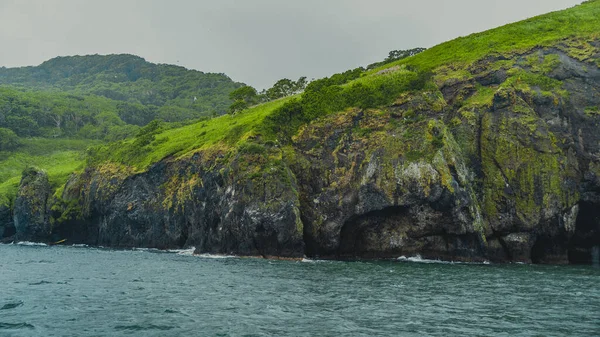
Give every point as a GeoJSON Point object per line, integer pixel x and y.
{"type": "Point", "coordinates": [490, 156]}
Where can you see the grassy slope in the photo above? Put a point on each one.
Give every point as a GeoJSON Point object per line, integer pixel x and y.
{"type": "Point", "coordinates": [59, 158]}
{"type": "Point", "coordinates": [226, 130]}
{"type": "Point", "coordinates": [580, 21]}
{"type": "Point", "coordinates": [545, 30]}
{"type": "Point", "coordinates": [540, 31]}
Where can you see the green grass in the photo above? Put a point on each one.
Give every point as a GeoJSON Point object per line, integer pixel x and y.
{"type": "Point", "coordinates": [227, 130]}
{"type": "Point", "coordinates": [58, 157]}
{"type": "Point", "coordinates": [579, 22]}
{"type": "Point", "coordinates": [540, 31]}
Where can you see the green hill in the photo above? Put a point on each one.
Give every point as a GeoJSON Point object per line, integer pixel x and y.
{"type": "Point", "coordinates": [570, 30]}
{"type": "Point", "coordinates": [127, 78]}
{"type": "Point", "coordinates": [482, 148]}
{"type": "Point", "coordinates": [79, 101]}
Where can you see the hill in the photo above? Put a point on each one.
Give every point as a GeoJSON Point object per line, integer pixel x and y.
{"type": "Point", "coordinates": [78, 101]}
{"type": "Point", "coordinates": [482, 148]}
{"type": "Point", "coordinates": [127, 78]}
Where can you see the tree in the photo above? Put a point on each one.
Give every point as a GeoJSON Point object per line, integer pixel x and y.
{"type": "Point", "coordinates": [286, 87]}
{"type": "Point", "coordinates": [243, 98]}
{"type": "Point", "coordinates": [245, 93]}
{"type": "Point", "coordinates": [238, 106]}
{"type": "Point", "coordinates": [401, 54]}
{"type": "Point", "coordinates": [300, 84]}
{"type": "Point", "coordinates": [396, 55]}
{"type": "Point", "coordinates": [8, 140]}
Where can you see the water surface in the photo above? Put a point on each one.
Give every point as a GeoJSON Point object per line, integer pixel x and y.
{"type": "Point", "coordinates": [75, 291]}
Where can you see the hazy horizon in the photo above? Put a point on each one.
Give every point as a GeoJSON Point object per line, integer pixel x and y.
{"type": "Point", "coordinates": [254, 42]}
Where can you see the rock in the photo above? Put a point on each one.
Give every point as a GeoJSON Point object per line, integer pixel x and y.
{"type": "Point", "coordinates": [30, 211]}
{"type": "Point", "coordinates": [222, 210]}
{"type": "Point", "coordinates": [7, 228]}
{"type": "Point", "coordinates": [511, 175]}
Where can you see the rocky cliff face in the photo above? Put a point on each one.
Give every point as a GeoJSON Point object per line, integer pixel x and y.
{"type": "Point", "coordinates": [496, 161]}
{"type": "Point", "coordinates": [31, 207]}
{"type": "Point", "coordinates": [6, 223]}
{"type": "Point", "coordinates": [499, 164]}
{"type": "Point", "coordinates": [242, 207]}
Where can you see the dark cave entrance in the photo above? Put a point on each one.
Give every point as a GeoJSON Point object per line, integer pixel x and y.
{"type": "Point", "coordinates": [586, 239]}
{"type": "Point", "coordinates": [549, 249]}
{"type": "Point", "coordinates": [368, 235]}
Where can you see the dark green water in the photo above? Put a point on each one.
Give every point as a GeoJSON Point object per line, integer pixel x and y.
{"type": "Point", "coordinates": [68, 291]}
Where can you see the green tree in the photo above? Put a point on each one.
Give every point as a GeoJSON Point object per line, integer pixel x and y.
{"type": "Point", "coordinates": [8, 140]}
{"type": "Point", "coordinates": [245, 93]}
{"type": "Point", "coordinates": [243, 98]}
{"type": "Point", "coordinates": [238, 106]}
{"type": "Point", "coordinates": [282, 88]}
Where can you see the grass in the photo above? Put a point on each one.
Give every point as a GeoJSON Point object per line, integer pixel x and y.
{"type": "Point", "coordinates": [227, 130]}
{"type": "Point", "coordinates": [58, 157]}
{"type": "Point", "coordinates": [540, 31]}
{"type": "Point", "coordinates": [448, 59]}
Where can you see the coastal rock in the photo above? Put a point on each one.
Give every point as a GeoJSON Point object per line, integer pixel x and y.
{"type": "Point", "coordinates": [30, 211]}
{"type": "Point", "coordinates": [239, 208]}
{"type": "Point", "coordinates": [507, 172]}
{"type": "Point", "coordinates": [7, 229]}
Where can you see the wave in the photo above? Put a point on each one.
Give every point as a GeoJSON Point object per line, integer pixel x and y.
{"type": "Point", "coordinates": [305, 260]}
{"type": "Point", "coordinates": [212, 256]}
{"type": "Point", "coordinates": [419, 259]}
{"type": "Point", "coordinates": [15, 326]}
{"type": "Point", "coordinates": [144, 327]}
{"type": "Point", "coordinates": [31, 244]}
{"type": "Point", "coordinates": [186, 252]}
{"type": "Point", "coordinates": [11, 305]}
{"type": "Point", "coordinates": [146, 249]}
{"type": "Point", "coordinates": [80, 245]}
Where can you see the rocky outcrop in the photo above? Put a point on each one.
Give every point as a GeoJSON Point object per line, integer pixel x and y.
{"type": "Point", "coordinates": [7, 229]}
{"type": "Point", "coordinates": [499, 160]}
{"type": "Point", "coordinates": [31, 207]}
{"type": "Point", "coordinates": [244, 207]}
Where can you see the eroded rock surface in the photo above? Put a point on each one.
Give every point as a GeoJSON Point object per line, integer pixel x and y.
{"type": "Point", "coordinates": [498, 161]}
{"type": "Point", "coordinates": [31, 220]}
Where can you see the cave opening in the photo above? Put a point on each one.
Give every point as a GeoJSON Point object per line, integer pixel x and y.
{"type": "Point", "coordinates": [373, 234]}
{"type": "Point", "coordinates": [542, 249]}
{"type": "Point", "coordinates": [585, 242]}
{"type": "Point", "coordinates": [184, 235]}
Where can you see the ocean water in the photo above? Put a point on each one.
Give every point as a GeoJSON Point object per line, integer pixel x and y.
{"type": "Point", "coordinates": [80, 291]}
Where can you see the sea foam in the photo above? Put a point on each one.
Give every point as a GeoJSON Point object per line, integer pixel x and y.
{"type": "Point", "coordinates": [419, 259]}
{"type": "Point", "coordinates": [27, 243]}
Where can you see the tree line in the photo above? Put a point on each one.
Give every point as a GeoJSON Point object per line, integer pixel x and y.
{"type": "Point", "coordinates": [247, 96]}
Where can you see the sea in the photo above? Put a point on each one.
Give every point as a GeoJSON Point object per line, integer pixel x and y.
{"type": "Point", "coordinates": [85, 291]}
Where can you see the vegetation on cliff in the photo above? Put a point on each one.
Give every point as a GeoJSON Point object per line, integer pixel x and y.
{"type": "Point", "coordinates": [571, 30]}
{"type": "Point", "coordinates": [49, 114]}
{"type": "Point", "coordinates": [480, 145]}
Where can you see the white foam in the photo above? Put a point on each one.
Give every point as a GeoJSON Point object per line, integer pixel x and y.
{"type": "Point", "coordinates": [187, 252]}
{"type": "Point", "coordinates": [212, 256]}
{"type": "Point", "coordinates": [145, 249]}
{"type": "Point", "coordinates": [419, 259]}
{"type": "Point", "coordinates": [305, 260]}
{"type": "Point", "coordinates": [27, 243]}
{"type": "Point", "coordinates": [80, 245]}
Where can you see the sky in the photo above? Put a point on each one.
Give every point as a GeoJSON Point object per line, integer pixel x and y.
{"type": "Point", "coordinates": [252, 41]}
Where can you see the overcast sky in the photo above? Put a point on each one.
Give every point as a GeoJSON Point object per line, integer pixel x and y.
{"type": "Point", "coordinates": [252, 41]}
